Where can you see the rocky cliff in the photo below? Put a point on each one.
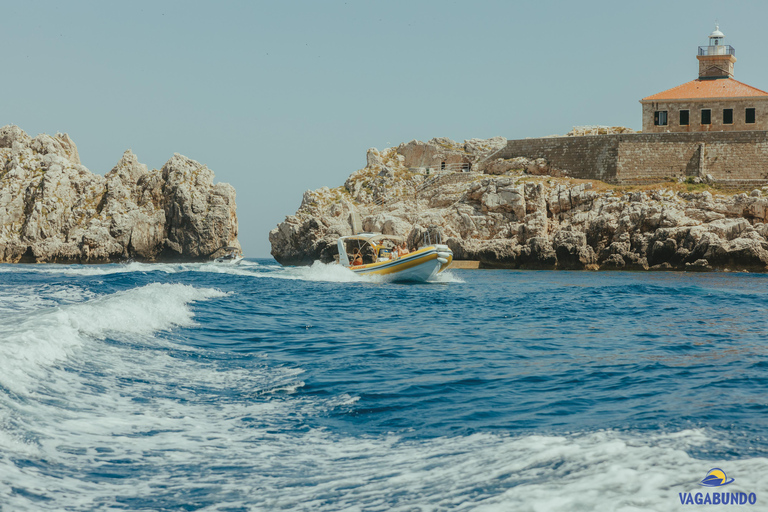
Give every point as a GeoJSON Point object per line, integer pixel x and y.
{"type": "Point", "coordinates": [52, 209]}
{"type": "Point", "coordinates": [522, 214]}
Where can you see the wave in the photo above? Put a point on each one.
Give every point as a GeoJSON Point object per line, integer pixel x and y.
{"type": "Point", "coordinates": [127, 268]}
{"type": "Point", "coordinates": [34, 297]}
{"type": "Point", "coordinates": [228, 459]}
{"type": "Point", "coordinates": [36, 338]}
{"type": "Point", "coordinates": [446, 276]}
{"type": "Point", "coordinates": [152, 426]}
{"type": "Point", "coordinates": [317, 272]}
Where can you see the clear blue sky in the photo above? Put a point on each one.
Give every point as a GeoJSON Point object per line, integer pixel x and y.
{"type": "Point", "coordinates": [280, 97]}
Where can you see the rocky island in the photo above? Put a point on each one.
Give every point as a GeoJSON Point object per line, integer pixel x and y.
{"type": "Point", "coordinates": [524, 213]}
{"type": "Point", "coordinates": [53, 209]}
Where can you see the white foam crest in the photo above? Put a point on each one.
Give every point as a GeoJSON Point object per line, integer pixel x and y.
{"type": "Point", "coordinates": [116, 403]}
{"type": "Point", "coordinates": [318, 271]}
{"type": "Point", "coordinates": [186, 444]}
{"type": "Point", "coordinates": [40, 338]}
{"type": "Point", "coordinates": [15, 299]}
{"type": "Point", "coordinates": [446, 276]}
{"type": "Point", "coordinates": [28, 298]}
{"type": "Point", "coordinates": [94, 270]}
{"type": "Point", "coordinates": [127, 268]}
{"type": "Point", "coordinates": [597, 471]}
{"type": "Point", "coordinates": [236, 270]}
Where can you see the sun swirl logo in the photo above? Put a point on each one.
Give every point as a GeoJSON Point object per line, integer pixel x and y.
{"type": "Point", "coordinates": [716, 477]}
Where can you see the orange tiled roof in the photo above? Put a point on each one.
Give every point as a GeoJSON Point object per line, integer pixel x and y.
{"type": "Point", "coordinates": [699, 89]}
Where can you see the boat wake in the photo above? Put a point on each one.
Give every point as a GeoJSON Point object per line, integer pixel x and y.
{"type": "Point", "coordinates": [242, 268]}
{"type": "Point", "coordinates": [446, 277]}
{"type": "Point", "coordinates": [39, 334]}
{"type": "Point", "coordinates": [317, 272]}
{"type": "Point", "coordinates": [126, 401]}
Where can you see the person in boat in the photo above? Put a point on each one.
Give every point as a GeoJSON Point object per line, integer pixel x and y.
{"type": "Point", "coordinates": [403, 250]}
{"type": "Point", "coordinates": [357, 258]}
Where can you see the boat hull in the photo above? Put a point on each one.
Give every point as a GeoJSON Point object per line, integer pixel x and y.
{"type": "Point", "coordinates": [418, 266]}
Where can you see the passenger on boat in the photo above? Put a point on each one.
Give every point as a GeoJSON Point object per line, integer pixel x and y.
{"type": "Point", "coordinates": [403, 250]}
{"type": "Point", "coordinates": [357, 258]}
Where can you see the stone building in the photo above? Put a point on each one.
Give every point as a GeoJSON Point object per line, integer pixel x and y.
{"type": "Point", "coordinates": [713, 128]}
{"type": "Point", "coordinates": [714, 102]}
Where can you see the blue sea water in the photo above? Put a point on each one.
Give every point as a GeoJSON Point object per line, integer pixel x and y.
{"type": "Point", "coordinates": [258, 387]}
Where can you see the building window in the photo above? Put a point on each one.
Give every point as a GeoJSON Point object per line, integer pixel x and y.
{"type": "Point", "coordinates": [750, 116]}
{"type": "Point", "coordinates": [660, 118]}
{"type": "Point", "coordinates": [684, 118]}
{"type": "Point", "coordinates": [706, 116]}
{"type": "Point", "coordinates": [727, 116]}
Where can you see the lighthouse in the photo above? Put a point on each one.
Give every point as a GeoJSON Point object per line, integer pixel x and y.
{"type": "Point", "coordinates": [716, 59]}
{"type": "Point", "coordinates": [715, 101]}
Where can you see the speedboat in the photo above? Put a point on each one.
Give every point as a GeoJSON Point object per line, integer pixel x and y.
{"type": "Point", "coordinates": [232, 257]}
{"type": "Point", "coordinates": [379, 258]}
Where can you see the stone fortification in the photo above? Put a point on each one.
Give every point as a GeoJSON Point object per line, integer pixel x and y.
{"type": "Point", "coordinates": [729, 158]}
{"type": "Point", "coordinates": [517, 213]}
{"type": "Point", "coordinates": [53, 209]}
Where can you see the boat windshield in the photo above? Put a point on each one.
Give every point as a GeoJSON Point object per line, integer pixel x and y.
{"type": "Point", "coordinates": [365, 250]}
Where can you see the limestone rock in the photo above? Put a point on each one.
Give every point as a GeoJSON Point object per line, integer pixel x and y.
{"type": "Point", "coordinates": [506, 215]}
{"type": "Point", "coordinates": [52, 209]}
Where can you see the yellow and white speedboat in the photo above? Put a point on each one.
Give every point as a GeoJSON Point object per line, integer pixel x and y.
{"type": "Point", "coordinates": [420, 265]}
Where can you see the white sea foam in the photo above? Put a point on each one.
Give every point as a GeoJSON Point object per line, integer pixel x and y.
{"type": "Point", "coordinates": [186, 445]}
{"type": "Point", "coordinates": [243, 268]}
{"type": "Point", "coordinates": [318, 271]}
{"type": "Point", "coordinates": [169, 425]}
{"type": "Point", "coordinates": [91, 270]}
{"type": "Point", "coordinates": [27, 298]}
{"type": "Point", "coordinates": [37, 338]}
{"type": "Point", "coordinates": [446, 276]}
{"type": "Point", "coordinates": [88, 422]}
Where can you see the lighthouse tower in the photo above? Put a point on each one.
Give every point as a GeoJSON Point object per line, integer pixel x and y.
{"type": "Point", "coordinates": [715, 101]}
{"type": "Point", "coordinates": [716, 59]}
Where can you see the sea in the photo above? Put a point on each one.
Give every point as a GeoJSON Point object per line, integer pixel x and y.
{"type": "Point", "coordinates": [185, 387]}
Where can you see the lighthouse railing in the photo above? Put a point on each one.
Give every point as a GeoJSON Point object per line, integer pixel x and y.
{"type": "Point", "coordinates": [717, 50]}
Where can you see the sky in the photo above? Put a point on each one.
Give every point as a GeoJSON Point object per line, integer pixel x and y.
{"type": "Point", "coordinates": [284, 96]}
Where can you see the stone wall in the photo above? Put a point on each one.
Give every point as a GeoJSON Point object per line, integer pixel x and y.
{"type": "Point", "coordinates": [589, 157]}
{"type": "Point", "coordinates": [729, 157]}
{"type": "Point", "coordinates": [655, 161]}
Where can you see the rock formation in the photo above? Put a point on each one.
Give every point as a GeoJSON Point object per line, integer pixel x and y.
{"type": "Point", "coordinates": [52, 209]}
{"type": "Point", "coordinates": [521, 214]}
